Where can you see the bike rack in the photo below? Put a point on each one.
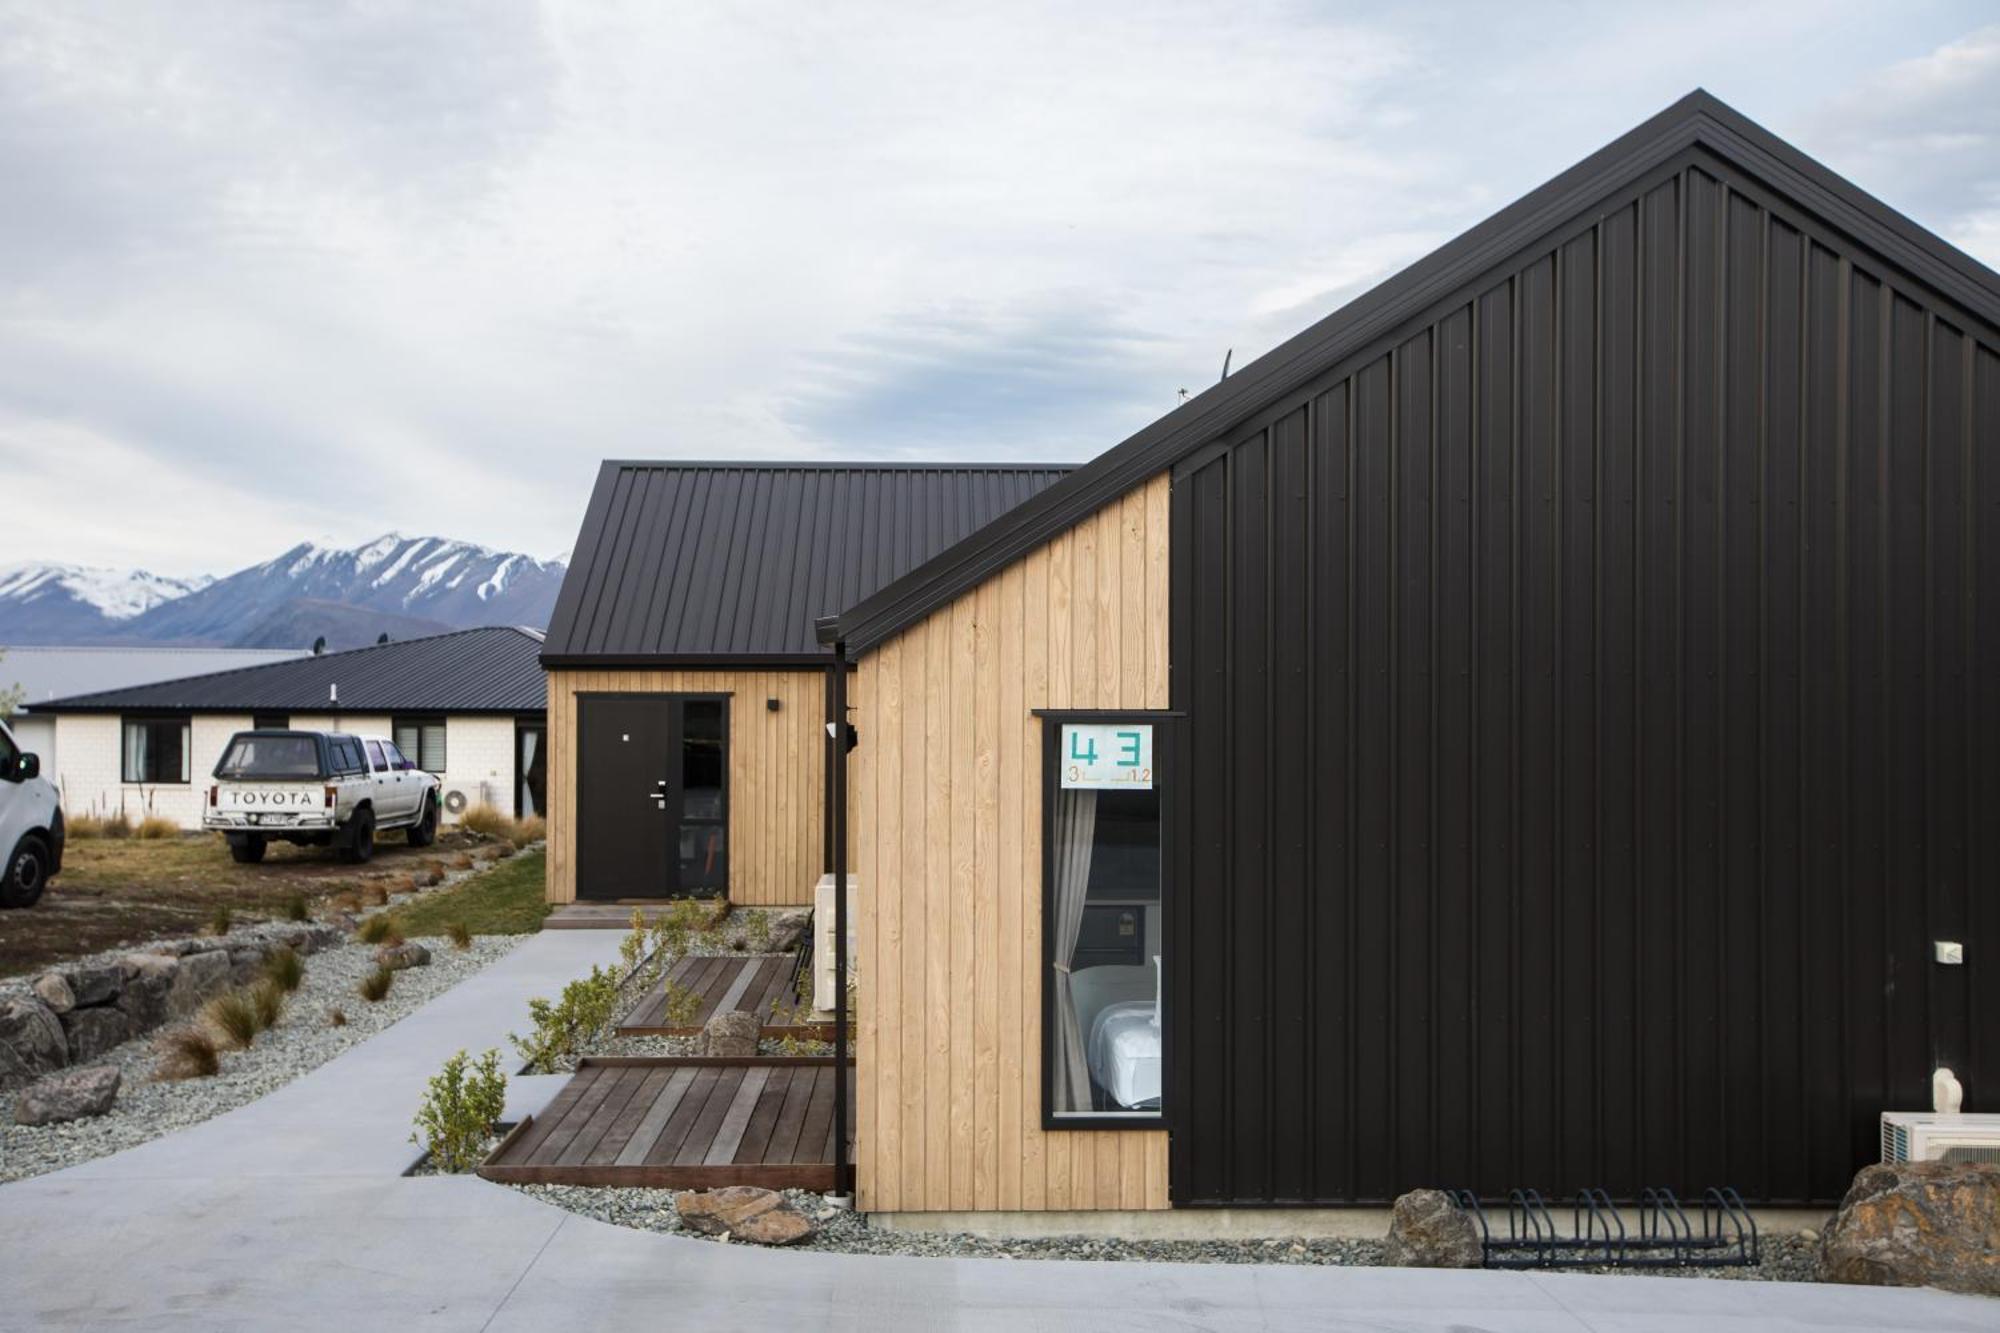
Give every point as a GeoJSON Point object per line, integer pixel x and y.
{"type": "Point", "coordinates": [1597, 1237]}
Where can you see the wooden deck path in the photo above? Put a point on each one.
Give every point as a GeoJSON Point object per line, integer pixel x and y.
{"type": "Point", "coordinates": [681, 1123]}
{"type": "Point", "coordinates": [755, 982]}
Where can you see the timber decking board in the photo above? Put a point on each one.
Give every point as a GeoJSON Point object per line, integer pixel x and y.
{"type": "Point", "coordinates": [755, 983]}
{"type": "Point", "coordinates": [682, 1123]}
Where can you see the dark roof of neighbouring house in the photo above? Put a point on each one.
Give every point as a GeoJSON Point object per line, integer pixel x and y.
{"type": "Point", "coordinates": [733, 562]}
{"type": "Point", "coordinates": [1372, 320]}
{"type": "Point", "coordinates": [490, 670]}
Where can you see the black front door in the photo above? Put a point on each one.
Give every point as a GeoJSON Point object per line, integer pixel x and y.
{"type": "Point", "coordinates": [652, 796]}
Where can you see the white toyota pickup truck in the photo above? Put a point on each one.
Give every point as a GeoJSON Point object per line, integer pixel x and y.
{"type": "Point", "coordinates": [320, 788]}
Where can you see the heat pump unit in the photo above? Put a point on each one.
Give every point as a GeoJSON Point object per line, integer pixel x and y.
{"type": "Point", "coordinates": [1912, 1136]}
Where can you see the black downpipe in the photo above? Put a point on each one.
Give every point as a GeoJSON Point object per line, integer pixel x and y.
{"type": "Point", "coordinates": [837, 816]}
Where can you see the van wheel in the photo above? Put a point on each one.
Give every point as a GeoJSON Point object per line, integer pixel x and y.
{"type": "Point", "coordinates": [425, 831]}
{"type": "Point", "coordinates": [247, 850]}
{"type": "Point", "coordinates": [360, 845]}
{"type": "Point", "coordinates": [27, 873]}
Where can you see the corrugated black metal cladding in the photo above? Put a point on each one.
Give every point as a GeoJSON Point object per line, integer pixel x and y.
{"type": "Point", "coordinates": [1599, 682]}
{"type": "Point", "coordinates": [706, 560]}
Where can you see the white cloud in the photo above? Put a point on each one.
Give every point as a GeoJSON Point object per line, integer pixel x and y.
{"type": "Point", "coordinates": [334, 269]}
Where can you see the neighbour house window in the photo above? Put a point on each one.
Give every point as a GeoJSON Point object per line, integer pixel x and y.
{"type": "Point", "coordinates": [156, 749]}
{"type": "Point", "coordinates": [271, 722]}
{"type": "Point", "coordinates": [1103, 923]}
{"type": "Point", "coordinates": [531, 765]}
{"type": "Point", "coordinates": [422, 739]}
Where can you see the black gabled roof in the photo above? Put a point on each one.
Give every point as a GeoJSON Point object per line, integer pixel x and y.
{"type": "Point", "coordinates": [491, 670]}
{"type": "Point", "coordinates": [1697, 120]}
{"type": "Point", "coordinates": [716, 562]}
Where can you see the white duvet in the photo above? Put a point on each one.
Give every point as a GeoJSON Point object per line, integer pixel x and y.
{"type": "Point", "coordinates": [1124, 1053]}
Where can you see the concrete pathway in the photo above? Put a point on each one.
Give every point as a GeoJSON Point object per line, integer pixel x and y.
{"type": "Point", "coordinates": [291, 1212]}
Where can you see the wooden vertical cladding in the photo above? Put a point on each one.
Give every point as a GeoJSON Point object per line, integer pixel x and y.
{"type": "Point", "coordinates": [777, 773]}
{"type": "Point", "coordinates": [1592, 723]}
{"type": "Point", "coordinates": [946, 813]}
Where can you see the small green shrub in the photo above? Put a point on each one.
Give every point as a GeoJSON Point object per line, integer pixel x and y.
{"type": "Point", "coordinates": [460, 935]}
{"type": "Point", "coordinates": [187, 1052]}
{"type": "Point", "coordinates": [221, 919]}
{"type": "Point", "coordinates": [464, 1102]}
{"type": "Point", "coordinates": [563, 1028]}
{"type": "Point", "coordinates": [375, 986]}
{"type": "Point", "coordinates": [683, 1003]}
{"type": "Point", "coordinates": [296, 908]}
{"type": "Point", "coordinates": [234, 1019]}
{"type": "Point", "coordinates": [284, 968]}
{"type": "Point", "coordinates": [375, 930]}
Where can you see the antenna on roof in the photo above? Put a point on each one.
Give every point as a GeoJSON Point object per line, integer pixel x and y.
{"type": "Point", "coordinates": [1225, 362]}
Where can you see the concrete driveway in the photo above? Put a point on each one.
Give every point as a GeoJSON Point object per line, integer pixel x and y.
{"type": "Point", "coordinates": [290, 1212]}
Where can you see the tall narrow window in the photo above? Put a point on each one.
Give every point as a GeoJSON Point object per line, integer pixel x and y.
{"type": "Point", "coordinates": [155, 749]}
{"type": "Point", "coordinates": [531, 768]}
{"type": "Point", "coordinates": [1103, 1038]}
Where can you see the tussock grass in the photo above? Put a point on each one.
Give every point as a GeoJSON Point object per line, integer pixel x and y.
{"type": "Point", "coordinates": [156, 827]}
{"type": "Point", "coordinates": [375, 986]}
{"type": "Point", "coordinates": [269, 1002]}
{"type": "Point", "coordinates": [221, 919]}
{"type": "Point", "coordinates": [336, 1018]}
{"type": "Point", "coordinates": [486, 819]}
{"type": "Point", "coordinates": [234, 1019]}
{"type": "Point", "coordinates": [86, 826]}
{"type": "Point", "coordinates": [375, 930]}
{"type": "Point", "coordinates": [285, 969]}
{"type": "Point", "coordinates": [187, 1052]}
{"type": "Point", "coordinates": [374, 895]}
{"type": "Point", "coordinates": [117, 826]}
{"type": "Point", "coordinates": [296, 908]}
{"type": "Point", "coordinates": [460, 933]}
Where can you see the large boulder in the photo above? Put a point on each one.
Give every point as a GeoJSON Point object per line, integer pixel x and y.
{"type": "Point", "coordinates": [200, 978]}
{"type": "Point", "coordinates": [149, 980]}
{"type": "Point", "coordinates": [31, 1041]}
{"type": "Point", "coordinates": [745, 1212]}
{"type": "Point", "coordinates": [1428, 1230]}
{"type": "Point", "coordinates": [92, 1032]}
{"type": "Point", "coordinates": [53, 990]}
{"type": "Point", "coordinates": [1918, 1224]}
{"type": "Point", "coordinates": [246, 963]}
{"type": "Point", "coordinates": [787, 930]}
{"type": "Point", "coordinates": [70, 1095]}
{"type": "Point", "coordinates": [396, 957]}
{"type": "Point", "coordinates": [96, 983]}
{"type": "Point", "coordinates": [731, 1032]}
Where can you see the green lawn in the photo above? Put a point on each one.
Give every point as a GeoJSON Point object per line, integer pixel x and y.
{"type": "Point", "coordinates": [506, 900]}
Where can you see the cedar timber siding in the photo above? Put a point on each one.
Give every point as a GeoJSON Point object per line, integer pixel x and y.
{"type": "Point", "coordinates": [946, 850]}
{"type": "Point", "coordinates": [777, 770]}
{"type": "Point", "coordinates": [1596, 675]}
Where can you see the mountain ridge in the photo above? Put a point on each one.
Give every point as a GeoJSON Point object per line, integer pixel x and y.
{"type": "Point", "coordinates": [394, 584]}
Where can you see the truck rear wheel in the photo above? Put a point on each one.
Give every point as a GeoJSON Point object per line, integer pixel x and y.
{"type": "Point", "coordinates": [247, 850]}
{"type": "Point", "coordinates": [360, 845]}
{"type": "Point", "coordinates": [25, 874]}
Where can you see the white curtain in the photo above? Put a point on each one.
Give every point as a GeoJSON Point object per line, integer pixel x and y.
{"type": "Point", "coordinates": [1075, 834]}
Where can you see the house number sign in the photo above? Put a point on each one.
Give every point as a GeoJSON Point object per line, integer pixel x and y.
{"type": "Point", "coordinates": [1107, 756]}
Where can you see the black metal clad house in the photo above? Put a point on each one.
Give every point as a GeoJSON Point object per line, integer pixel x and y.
{"type": "Point", "coordinates": [1583, 650]}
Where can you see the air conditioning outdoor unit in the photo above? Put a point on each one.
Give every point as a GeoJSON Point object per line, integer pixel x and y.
{"type": "Point", "coordinates": [1924, 1136]}
{"type": "Point", "coordinates": [455, 802]}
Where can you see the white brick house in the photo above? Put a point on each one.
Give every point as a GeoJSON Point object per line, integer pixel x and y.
{"type": "Point", "coordinates": [469, 706]}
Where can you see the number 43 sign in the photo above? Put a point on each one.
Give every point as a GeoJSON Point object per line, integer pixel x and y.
{"type": "Point", "coordinates": [1111, 755]}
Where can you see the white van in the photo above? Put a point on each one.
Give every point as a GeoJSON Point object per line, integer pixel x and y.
{"type": "Point", "coordinates": [31, 825]}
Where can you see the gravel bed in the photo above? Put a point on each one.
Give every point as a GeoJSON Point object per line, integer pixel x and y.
{"type": "Point", "coordinates": [304, 1039]}
{"type": "Point", "coordinates": [1788, 1258]}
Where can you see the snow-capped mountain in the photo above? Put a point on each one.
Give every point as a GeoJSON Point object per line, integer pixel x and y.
{"type": "Point", "coordinates": [402, 582]}
{"type": "Point", "coordinates": [63, 603]}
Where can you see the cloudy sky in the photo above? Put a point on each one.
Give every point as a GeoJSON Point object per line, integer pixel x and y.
{"type": "Point", "coordinates": [273, 272]}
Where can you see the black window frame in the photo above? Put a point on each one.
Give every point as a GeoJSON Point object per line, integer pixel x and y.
{"type": "Point", "coordinates": [1165, 724]}
{"type": "Point", "coordinates": [420, 721]}
{"type": "Point", "coordinates": [270, 722]}
{"type": "Point", "coordinates": [538, 724]}
{"type": "Point", "coordinates": [184, 721]}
